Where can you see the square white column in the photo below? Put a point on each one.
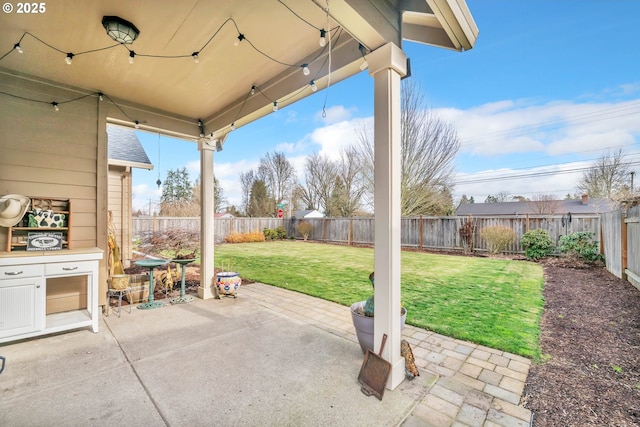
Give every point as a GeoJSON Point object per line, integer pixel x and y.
{"type": "Point", "coordinates": [387, 65]}
{"type": "Point", "coordinates": [206, 289]}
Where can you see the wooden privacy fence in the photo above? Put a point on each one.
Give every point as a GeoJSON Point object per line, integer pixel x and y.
{"type": "Point", "coordinates": [435, 233]}
{"type": "Point", "coordinates": [621, 238]}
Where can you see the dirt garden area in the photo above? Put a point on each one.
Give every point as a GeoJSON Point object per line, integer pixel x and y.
{"type": "Point", "coordinates": [590, 339]}
{"type": "Point", "coordinates": [589, 373]}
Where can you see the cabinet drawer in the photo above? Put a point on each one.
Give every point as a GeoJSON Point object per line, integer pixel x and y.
{"type": "Point", "coordinates": [68, 268]}
{"type": "Point", "coordinates": [20, 271]}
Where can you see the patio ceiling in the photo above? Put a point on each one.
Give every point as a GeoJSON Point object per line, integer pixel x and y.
{"type": "Point", "coordinates": [217, 89]}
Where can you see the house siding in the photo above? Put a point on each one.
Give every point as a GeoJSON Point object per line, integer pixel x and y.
{"type": "Point", "coordinates": [50, 153]}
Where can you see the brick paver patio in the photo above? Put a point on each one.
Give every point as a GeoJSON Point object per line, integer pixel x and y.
{"type": "Point", "coordinates": [473, 385]}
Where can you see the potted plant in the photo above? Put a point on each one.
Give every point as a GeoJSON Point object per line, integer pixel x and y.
{"type": "Point", "coordinates": [362, 316]}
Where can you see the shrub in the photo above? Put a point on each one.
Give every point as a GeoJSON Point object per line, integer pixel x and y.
{"type": "Point", "coordinates": [305, 229]}
{"type": "Point", "coordinates": [275, 233]}
{"type": "Point", "coordinates": [498, 238]}
{"type": "Point", "coordinates": [253, 236]}
{"type": "Point", "coordinates": [581, 245]}
{"type": "Point", "coordinates": [537, 244]}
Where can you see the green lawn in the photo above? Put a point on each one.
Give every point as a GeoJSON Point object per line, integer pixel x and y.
{"type": "Point", "coordinates": [493, 302]}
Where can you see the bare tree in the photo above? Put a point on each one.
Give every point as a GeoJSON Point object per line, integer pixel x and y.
{"type": "Point", "coordinates": [545, 204]}
{"type": "Point", "coordinates": [278, 175]}
{"type": "Point", "coordinates": [428, 148]}
{"type": "Point", "coordinates": [246, 180]}
{"type": "Point", "coordinates": [319, 180]}
{"type": "Point", "coordinates": [607, 177]}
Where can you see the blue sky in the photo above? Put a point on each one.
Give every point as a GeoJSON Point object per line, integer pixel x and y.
{"type": "Point", "coordinates": [548, 88]}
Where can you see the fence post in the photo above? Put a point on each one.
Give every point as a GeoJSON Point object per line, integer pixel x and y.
{"type": "Point", "coordinates": [526, 227]}
{"type": "Point", "coordinates": [420, 232]}
{"type": "Point", "coordinates": [350, 230]}
{"type": "Point", "coordinates": [154, 223]}
{"type": "Point", "coordinates": [623, 243]}
{"type": "Point", "coordinates": [324, 229]}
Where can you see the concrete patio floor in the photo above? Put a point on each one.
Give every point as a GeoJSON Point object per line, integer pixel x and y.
{"type": "Point", "coordinates": [271, 357]}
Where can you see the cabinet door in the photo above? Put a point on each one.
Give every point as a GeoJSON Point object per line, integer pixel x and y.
{"type": "Point", "coordinates": [22, 306]}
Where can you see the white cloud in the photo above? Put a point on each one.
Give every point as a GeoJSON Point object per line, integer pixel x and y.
{"type": "Point", "coordinates": [334, 114]}
{"type": "Point", "coordinates": [333, 138]}
{"type": "Point", "coordinates": [554, 128]}
{"type": "Point", "coordinates": [142, 194]}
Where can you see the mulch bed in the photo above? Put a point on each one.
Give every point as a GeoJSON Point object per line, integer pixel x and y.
{"type": "Point", "coordinates": [590, 341]}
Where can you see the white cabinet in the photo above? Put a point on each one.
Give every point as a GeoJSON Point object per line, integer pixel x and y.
{"type": "Point", "coordinates": [22, 306]}
{"type": "Point", "coordinates": [23, 290]}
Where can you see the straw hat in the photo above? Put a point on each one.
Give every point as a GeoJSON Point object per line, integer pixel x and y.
{"type": "Point", "coordinates": [12, 209]}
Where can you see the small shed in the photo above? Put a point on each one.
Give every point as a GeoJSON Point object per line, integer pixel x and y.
{"type": "Point", "coordinates": [125, 153]}
{"type": "Point", "coordinates": [305, 214]}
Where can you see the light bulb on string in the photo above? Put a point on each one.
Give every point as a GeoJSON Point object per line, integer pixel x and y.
{"type": "Point", "coordinates": [137, 124]}
{"type": "Point", "coordinates": [132, 56]}
{"type": "Point", "coordinates": [233, 126]}
{"type": "Point", "coordinates": [323, 37]}
{"type": "Point", "coordinates": [275, 106]}
{"type": "Point", "coordinates": [196, 58]}
{"type": "Point", "coordinates": [55, 106]}
{"type": "Point", "coordinates": [100, 96]}
{"type": "Point", "coordinates": [238, 39]}
{"type": "Point", "coordinates": [253, 90]}
{"type": "Point", "coordinates": [69, 58]}
{"type": "Point", "coordinates": [313, 86]}
{"type": "Point", "coordinates": [305, 69]}
{"type": "Point", "coordinates": [18, 47]}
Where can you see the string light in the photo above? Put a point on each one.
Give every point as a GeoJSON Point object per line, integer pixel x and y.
{"type": "Point", "coordinates": [100, 97]}
{"type": "Point", "coordinates": [69, 58]}
{"type": "Point", "coordinates": [305, 69]}
{"type": "Point", "coordinates": [253, 90]}
{"type": "Point", "coordinates": [196, 58]}
{"type": "Point", "coordinates": [132, 56]}
{"type": "Point", "coordinates": [137, 124]}
{"type": "Point", "coordinates": [323, 37]}
{"type": "Point", "coordinates": [237, 41]}
{"type": "Point", "coordinates": [233, 126]}
{"type": "Point", "coordinates": [55, 106]}
{"type": "Point", "coordinates": [275, 106]}
{"type": "Point", "coordinates": [18, 47]}
{"type": "Point", "coordinates": [313, 86]}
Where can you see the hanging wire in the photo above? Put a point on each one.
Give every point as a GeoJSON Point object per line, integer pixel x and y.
{"type": "Point", "coordinates": [326, 94]}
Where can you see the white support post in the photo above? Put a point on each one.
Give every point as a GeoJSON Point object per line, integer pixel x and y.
{"type": "Point", "coordinates": [387, 65]}
{"type": "Point", "coordinates": [207, 263]}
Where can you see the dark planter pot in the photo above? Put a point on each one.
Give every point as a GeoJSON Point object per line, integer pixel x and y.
{"type": "Point", "coordinates": [364, 325]}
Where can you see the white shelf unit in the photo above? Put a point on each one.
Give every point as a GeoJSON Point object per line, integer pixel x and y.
{"type": "Point", "coordinates": [23, 286]}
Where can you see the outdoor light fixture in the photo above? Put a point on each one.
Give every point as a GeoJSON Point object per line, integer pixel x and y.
{"type": "Point", "coordinates": [323, 37]}
{"type": "Point", "coordinates": [120, 30]}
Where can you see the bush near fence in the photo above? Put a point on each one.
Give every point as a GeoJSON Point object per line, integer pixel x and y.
{"type": "Point", "coordinates": [430, 233]}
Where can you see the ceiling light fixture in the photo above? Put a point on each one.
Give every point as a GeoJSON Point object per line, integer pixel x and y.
{"type": "Point", "coordinates": [118, 29]}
